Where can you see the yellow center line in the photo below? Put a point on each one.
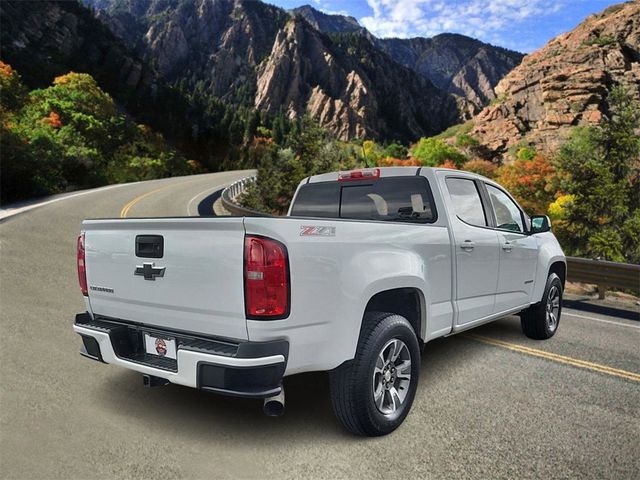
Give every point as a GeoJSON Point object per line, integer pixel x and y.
{"type": "Point", "coordinates": [127, 207]}
{"type": "Point", "coordinates": [596, 367]}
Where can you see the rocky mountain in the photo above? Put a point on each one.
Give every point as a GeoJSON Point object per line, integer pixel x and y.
{"type": "Point", "coordinates": [349, 86]}
{"type": "Point", "coordinates": [219, 42]}
{"type": "Point", "coordinates": [459, 65]}
{"type": "Point", "coordinates": [564, 84]}
{"type": "Point", "coordinates": [252, 53]}
{"type": "Point", "coordinates": [328, 23]}
{"type": "Point", "coordinates": [211, 61]}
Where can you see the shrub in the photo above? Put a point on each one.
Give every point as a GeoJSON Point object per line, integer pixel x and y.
{"type": "Point", "coordinates": [396, 150]}
{"type": "Point", "coordinates": [526, 153]}
{"type": "Point", "coordinates": [372, 153]}
{"type": "Point", "coordinates": [12, 92]}
{"type": "Point", "coordinates": [449, 164]}
{"type": "Point", "coordinates": [481, 167]}
{"type": "Point", "coordinates": [432, 152]}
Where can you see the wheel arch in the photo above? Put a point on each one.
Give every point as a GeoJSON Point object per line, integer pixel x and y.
{"type": "Point", "coordinates": [408, 302]}
{"type": "Point", "coordinates": [560, 269]}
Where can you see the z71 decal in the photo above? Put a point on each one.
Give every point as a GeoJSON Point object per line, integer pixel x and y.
{"type": "Point", "coordinates": [317, 231]}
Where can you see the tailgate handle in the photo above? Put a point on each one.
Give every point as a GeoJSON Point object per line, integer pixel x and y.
{"type": "Point", "coordinates": [149, 246]}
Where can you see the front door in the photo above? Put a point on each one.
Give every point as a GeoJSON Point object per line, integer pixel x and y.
{"type": "Point", "coordinates": [518, 253]}
{"type": "Point", "coordinates": [476, 251]}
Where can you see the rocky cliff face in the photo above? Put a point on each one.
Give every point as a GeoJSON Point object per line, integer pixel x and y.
{"type": "Point", "coordinates": [301, 75]}
{"type": "Point", "coordinates": [327, 23]}
{"type": "Point", "coordinates": [565, 83]}
{"type": "Point", "coordinates": [459, 65]}
{"type": "Point", "coordinates": [218, 42]}
{"type": "Point", "coordinates": [349, 86]}
{"type": "Point", "coordinates": [42, 40]}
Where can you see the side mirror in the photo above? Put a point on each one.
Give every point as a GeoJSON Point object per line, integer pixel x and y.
{"type": "Point", "coordinates": [540, 224]}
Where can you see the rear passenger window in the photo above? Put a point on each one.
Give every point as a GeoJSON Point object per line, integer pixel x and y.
{"type": "Point", "coordinates": [466, 201]}
{"type": "Point", "coordinates": [394, 199]}
{"type": "Point", "coordinates": [401, 199]}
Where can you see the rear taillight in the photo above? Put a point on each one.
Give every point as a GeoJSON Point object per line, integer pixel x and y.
{"type": "Point", "coordinates": [266, 278]}
{"type": "Point", "coordinates": [82, 269]}
{"type": "Point", "coordinates": [370, 174]}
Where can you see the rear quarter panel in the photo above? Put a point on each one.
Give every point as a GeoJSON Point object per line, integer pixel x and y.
{"type": "Point", "coordinates": [334, 277]}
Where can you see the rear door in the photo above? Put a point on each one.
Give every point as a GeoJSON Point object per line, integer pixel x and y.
{"type": "Point", "coordinates": [476, 249]}
{"type": "Point", "coordinates": [182, 274]}
{"type": "Point", "coordinates": [518, 252]}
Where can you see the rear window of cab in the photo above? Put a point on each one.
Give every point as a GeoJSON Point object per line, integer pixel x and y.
{"type": "Point", "coordinates": [390, 199]}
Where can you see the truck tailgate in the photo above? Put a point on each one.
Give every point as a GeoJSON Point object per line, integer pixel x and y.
{"type": "Point", "coordinates": [199, 290]}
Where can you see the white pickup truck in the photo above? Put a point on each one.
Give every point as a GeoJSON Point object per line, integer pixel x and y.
{"type": "Point", "coordinates": [368, 267]}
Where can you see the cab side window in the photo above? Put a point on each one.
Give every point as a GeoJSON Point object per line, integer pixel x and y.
{"type": "Point", "coordinates": [466, 201]}
{"type": "Point", "coordinates": [508, 215]}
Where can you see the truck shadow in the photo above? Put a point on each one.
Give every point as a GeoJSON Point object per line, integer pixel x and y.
{"type": "Point", "coordinates": [188, 412]}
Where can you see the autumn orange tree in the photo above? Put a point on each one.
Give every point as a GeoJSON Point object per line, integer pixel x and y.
{"type": "Point", "coordinates": [399, 162]}
{"type": "Point", "coordinates": [481, 167]}
{"type": "Point", "coordinates": [531, 180]}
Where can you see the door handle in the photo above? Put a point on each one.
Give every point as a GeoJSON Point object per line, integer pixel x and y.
{"type": "Point", "coordinates": [507, 246]}
{"type": "Point", "coordinates": [467, 245]}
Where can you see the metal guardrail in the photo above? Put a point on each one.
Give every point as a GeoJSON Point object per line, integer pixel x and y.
{"type": "Point", "coordinates": [229, 199]}
{"type": "Point", "coordinates": [604, 274]}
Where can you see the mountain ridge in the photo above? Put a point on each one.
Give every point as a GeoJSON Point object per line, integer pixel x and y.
{"type": "Point", "coordinates": [222, 46]}
{"type": "Point", "coordinates": [458, 64]}
{"type": "Point", "coordinates": [564, 84]}
{"type": "Point", "coordinates": [204, 52]}
{"type": "Point", "coordinates": [163, 35]}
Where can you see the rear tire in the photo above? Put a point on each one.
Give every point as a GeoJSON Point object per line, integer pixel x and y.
{"type": "Point", "coordinates": [372, 394]}
{"type": "Point", "coordinates": [541, 321]}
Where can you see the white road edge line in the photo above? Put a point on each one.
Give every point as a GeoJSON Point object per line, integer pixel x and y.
{"type": "Point", "coordinates": [208, 190]}
{"type": "Point", "coordinates": [212, 189]}
{"type": "Point", "coordinates": [10, 212]}
{"type": "Point", "coordinates": [602, 320]}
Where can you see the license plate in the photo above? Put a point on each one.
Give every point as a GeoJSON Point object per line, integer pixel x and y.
{"type": "Point", "coordinates": [160, 346]}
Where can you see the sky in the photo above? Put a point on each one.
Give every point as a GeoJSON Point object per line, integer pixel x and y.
{"type": "Point", "coordinates": [522, 25]}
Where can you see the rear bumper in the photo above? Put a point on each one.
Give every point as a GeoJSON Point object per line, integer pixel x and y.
{"type": "Point", "coordinates": [246, 369]}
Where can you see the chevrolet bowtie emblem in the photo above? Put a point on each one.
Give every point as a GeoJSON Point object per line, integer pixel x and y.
{"type": "Point", "coordinates": [149, 271]}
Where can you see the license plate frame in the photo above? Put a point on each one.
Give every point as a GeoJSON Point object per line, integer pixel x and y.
{"type": "Point", "coordinates": [160, 346]}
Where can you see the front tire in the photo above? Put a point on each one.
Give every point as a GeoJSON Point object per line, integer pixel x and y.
{"type": "Point", "coordinates": [541, 321]}
{"type": "Point", "coordinates": [373, 394]}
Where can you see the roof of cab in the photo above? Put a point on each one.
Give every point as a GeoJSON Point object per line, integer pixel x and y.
{"type": "Point", "coordinates": [386, 172]}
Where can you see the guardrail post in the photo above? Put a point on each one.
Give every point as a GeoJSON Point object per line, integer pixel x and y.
{"type": "Point", "coordinates": [602, 290]}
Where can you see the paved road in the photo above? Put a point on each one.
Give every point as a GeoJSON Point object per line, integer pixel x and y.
{"type": "Point", "coordinates": [491, 404]}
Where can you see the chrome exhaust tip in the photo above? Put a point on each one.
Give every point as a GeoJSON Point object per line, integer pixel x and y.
{"type": "Point", "coordinates": [274, 406]}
